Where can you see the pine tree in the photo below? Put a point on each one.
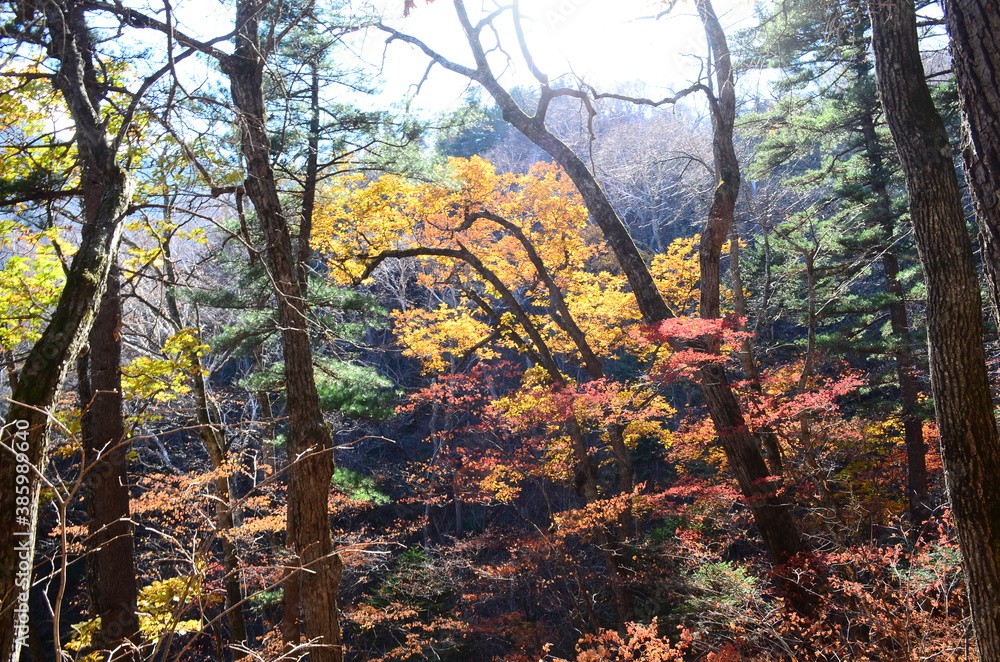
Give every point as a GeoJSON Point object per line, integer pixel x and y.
{"type": "Point", "coordinates": [825, 138]}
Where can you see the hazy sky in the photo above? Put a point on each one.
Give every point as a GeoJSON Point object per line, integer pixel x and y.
{"type": "Point", "coordinates": [604, 41]}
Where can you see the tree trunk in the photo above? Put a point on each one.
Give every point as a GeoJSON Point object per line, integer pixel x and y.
{"type": "Point", "coordinates": [310, 444]}
{"type": "Point", "coordinates": [41, 376]}
{"type": "Point", "coordinates": [906, 365]}
{"type": "Point", "coordinates": [757, 484]}
{"type": "Point", "coordinates": [782, 538]}
{"type": "Point", "coordinates": [311, 175]}
{"type": "Point", "coordinates": [111, 578]}
{"type": "Point", "coordinates": [917, 496]}
{"type": "Point", "coordinates": [213, 439]}
{"type": "Point", "coordinates": [974, 26]}
{"type": "Point", "coordinates": [970, 446]}
{"type": "Point", "coordinates": [727, 166]}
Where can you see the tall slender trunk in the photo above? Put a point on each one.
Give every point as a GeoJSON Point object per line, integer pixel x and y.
{"type": "Point", "coordinates": [111, 578]}
{"type": "Point", "coordinates": [310, 443]}
{"type": "Point", "coordinates": [41, 376]}
{"type": "Point", "coordinates": [970, 445]}
{"type": "Point", "coordinates": [974, 26]}
{"type": "Point", "coordinates": [917, 496]}
{"type": "Point", "coordinates": [311, 175]}
{"type": "Point", "coordinates": [213, 439]}
{"type": "Point", "coordinates": [756, 481]}
{"type": "Point", "coordinates": [265, 419]}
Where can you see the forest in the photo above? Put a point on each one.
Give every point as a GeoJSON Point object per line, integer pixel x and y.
{"type": "Point", "coordinates": [306, 355]}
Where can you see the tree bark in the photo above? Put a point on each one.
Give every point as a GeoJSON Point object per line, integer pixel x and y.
{"type": "Point", "coordinates": [970, 446]}
{"type": "Point", "coordinates": [727, 166]}
{"type": "Point", "coordinates": [755, 479]}
{"type": "Point", "coordinates": [111, 577]}
{"type": "Point", "coordinates": [310, 444]}
{"type": "Point", "coordinates": [43, 371]}
{"type": "Point", "coordinates": [974, 26]}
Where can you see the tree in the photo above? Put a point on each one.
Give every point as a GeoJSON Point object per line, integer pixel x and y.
{"type": "Point", "coordinates": [506, 271]}
{"type": "Point", "coordinates": [309, 440]}
{"type": "Point", "coordinates": [771, 513]}
{"type": "Point", "coordinates": [970, 444]}
{"type": "Point", "coordinates": [853, 193]}
{"type": "Point", "coordinates": [974, 27]}
{"type": "Point", "coordinates": [65, 35]}
{"type": "Point", "coordinates": [111, 575]}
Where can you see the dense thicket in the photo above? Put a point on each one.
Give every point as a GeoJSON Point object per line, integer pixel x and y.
{"type": "Point", "coordinates": [569, 372]}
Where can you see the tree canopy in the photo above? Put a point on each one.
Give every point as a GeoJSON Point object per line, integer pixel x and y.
{"type": "Point", "coordinates": [307, 355]}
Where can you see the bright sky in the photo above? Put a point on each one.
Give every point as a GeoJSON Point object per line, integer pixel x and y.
{"type": "Point", "coordinates": [606, 42]}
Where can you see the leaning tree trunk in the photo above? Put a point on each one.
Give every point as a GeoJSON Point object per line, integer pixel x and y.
{"type": "Point", "coordinates": [111, 578]}
{"type": "Point", "coordinates": [52, 355]}
{"type": "Point", "coordinates": [310, 444]}
{"type": "Point", "coordinates": [757, 484]}
{"type": "Point", "coordinates": [974, 26]}
{"type": "Point", "coordinates": [771, 514]}
{"type": "Point", "coordinates": [970, 446]}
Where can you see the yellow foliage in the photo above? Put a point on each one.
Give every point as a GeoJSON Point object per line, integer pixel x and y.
{"type": "Point", "coordinates": [31, 278]}
{"type": "Point", "coordinates": [677, 273]}
{"type": "Point", "coordinates": [503, 482]}
{"type": "Point", "coordinates": [433, 335]}
{"type": "Point", "coordinates": [33, 112]}
{"type": "Point", "coordinates": [165, 379]}
{"type": "Point", "coordinates": [361, 219]}
{"type": "Point", "coordinates": [160, 605]}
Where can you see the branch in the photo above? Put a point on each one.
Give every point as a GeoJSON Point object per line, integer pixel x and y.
{"type": "Point", "coordinates": [518, 29]}
{"type": "Point", "coordinates": [489, 18]}
{"type": "Point", "coordinates": [464, 255]}
{"type": "Point", "coordinates": [565, 318]}
{"type": "Point", "coordinates": [641, 101]}
{"type": "Point", "coordinates": [40, 196]}
{"type": "Point", "coordinates": [485, 306]}
{"type": "Point", "coordinates": [396, 35]}
{"type": "Point", "coordinates": [137, 19]}
{"type": "Point", "coordinates": [548, 94]}
{"type": "Point", "coordinates": [137, 97]}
